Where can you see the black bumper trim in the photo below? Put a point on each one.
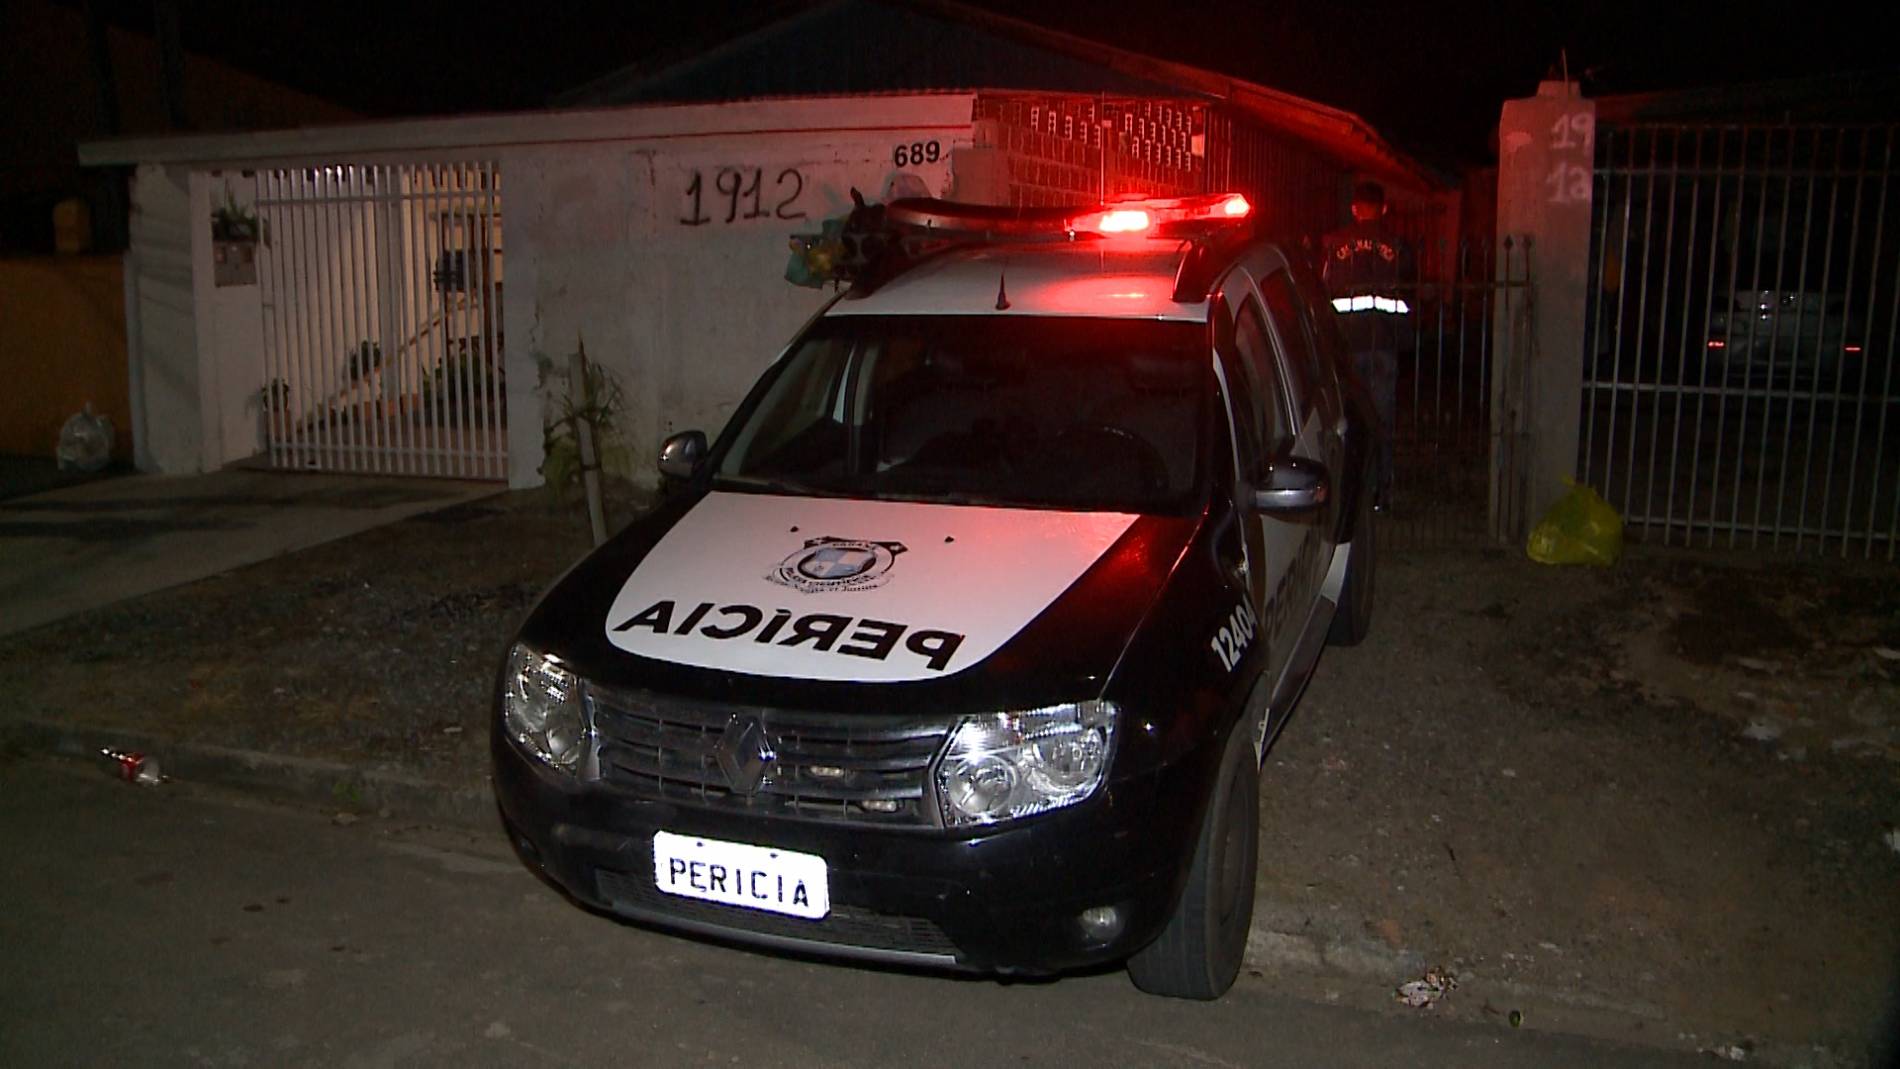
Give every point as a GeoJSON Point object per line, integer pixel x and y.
{"type": "Point", "coordinates": [774, 941]}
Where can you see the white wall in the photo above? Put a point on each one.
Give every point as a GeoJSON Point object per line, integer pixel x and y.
{"type": "Point", "coordinates": [230, 334]}
{"type": "Point", "coordinates": [686, 300]}
{"type": "Point", "coordinates": [161, 323]}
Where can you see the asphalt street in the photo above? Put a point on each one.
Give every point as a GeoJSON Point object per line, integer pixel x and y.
{"type": "Point", "coordinates": [179, 925]}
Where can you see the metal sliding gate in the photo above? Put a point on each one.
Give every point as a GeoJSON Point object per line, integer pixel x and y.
{"type": "Point", "coordinates": [1468, 315]}
{"type": "Point", "coordinates": [1739, 358]}
{"type": "Point", "coordinates": [381, 290]}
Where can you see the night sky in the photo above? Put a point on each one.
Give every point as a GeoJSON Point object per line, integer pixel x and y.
{"type": "Point", "coordinates": [1430, 76]}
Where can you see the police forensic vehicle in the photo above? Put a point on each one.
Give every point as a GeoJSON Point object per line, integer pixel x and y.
{"type": "Point", "coordinates": [963, 644]}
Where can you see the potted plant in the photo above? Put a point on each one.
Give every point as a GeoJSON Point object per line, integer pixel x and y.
{"type": "Point", "coordinates": [235, 232]}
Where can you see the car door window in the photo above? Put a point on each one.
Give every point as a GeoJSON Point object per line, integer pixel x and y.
{"type": "Point", "coordinates": [801, 417]}
{"type": "Point", "coordinates": [1256, 357]}
{"type": "Point", "coordinates": [1313, 382]}
{"type": "Point", "coordinates": [1243, 408]}
{"type": "Point", "coordinates": [1321, 324]}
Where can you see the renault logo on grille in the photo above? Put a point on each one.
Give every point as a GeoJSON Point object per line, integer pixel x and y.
{"type": "Point", "coordinates": [744, 754]}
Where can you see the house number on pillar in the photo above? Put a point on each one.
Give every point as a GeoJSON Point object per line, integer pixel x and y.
{"type": "Point", "coordinates": [1573, 135]}
{"type": "Point", "coordinates": [741, 193]}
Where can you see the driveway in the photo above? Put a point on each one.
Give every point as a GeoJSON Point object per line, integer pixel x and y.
{"type": "Point", "coordinates": [83, 547]}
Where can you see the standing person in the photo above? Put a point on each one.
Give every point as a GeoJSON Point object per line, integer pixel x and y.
{"type": "Point", "coordinates": [1365, 268]}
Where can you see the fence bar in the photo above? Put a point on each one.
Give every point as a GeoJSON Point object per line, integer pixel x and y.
{"type": "Point", "coordinates": [422, 262]}
{"type": "Point", "coordinates": [1774, 352]}
{"type": "Point", "coordinates": [336, 286]}
{"type": "Point", "coordinates": [1709, 312]}
{"type": "Point", "coordinates": [1840, 361]}
{"type": "Point", "coordinates": [1867, 349]}
{"type": "Point", "coordinates": [270, 295]}
{"type": "Point", "coordinates": [455, 301]}
{"type": "Point", "coordinates": [305, 417]}
{"type": "Point", "coordinates": [393, 273]}
{"type": "Point", "coordinates": [318, 430]}
{"type": "Point", "coordinates": [465, 354]}
{"type": "Point", "coordinates": [1682, 350]}
{"type": "Point", "coordinates": [367, 350]}
{"type": "Point", "coordinates": [1813, 407]}
{"type": "Point", "coordinates": [491, 322]}
{"type": "Point", "coordinates": [415, 260]}
{"type": "Point", "coordinates": [1642, 318]}
{"type": "Point", "coordinates": [1722, 412]}
{"type": "Point", "coordinates": [1662, 337]}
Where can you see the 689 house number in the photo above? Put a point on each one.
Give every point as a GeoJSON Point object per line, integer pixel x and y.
{"type": "Point", "coordinates": [745, 196]}
{"type": "Point", "coordinates": [917, 152]}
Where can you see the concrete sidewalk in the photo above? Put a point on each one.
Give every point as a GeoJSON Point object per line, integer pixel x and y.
{"type": "Point", "coordinates": [86, 546]}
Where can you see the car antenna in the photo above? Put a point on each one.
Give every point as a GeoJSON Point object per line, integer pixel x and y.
{"type": "Point", "coordinates": [1002, 289]}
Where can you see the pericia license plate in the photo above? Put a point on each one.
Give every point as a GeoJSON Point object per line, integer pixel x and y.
{"type": "Point", "coordinates": [738, 874]}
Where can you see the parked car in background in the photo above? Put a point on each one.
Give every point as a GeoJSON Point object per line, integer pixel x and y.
{"type": "Point", "coordinates": [1786, 338]}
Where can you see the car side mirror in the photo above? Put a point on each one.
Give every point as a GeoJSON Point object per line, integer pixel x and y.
{"type": "Point", "coordinates": [1293, 484]}
{"type": "Point", "coordinates": [682, 454]}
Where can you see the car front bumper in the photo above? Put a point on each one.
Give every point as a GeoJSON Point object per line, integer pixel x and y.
{"type": "Point", "coordinates": [1006, 900]}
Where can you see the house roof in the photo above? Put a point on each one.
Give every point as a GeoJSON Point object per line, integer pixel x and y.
{"type": "Point", "coordinates": [1864, 96]}
{"type": "Point", "coordinates": [882, 46]}
{"type": "Point", "coordinates": [480, 136]}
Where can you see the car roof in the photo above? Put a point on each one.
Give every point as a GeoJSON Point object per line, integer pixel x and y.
{"type": "Point", "coordinates": [1126, 279]}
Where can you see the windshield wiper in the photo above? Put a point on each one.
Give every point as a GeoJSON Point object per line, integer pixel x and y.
{"type": "Point", "coordinates": [776, 486]}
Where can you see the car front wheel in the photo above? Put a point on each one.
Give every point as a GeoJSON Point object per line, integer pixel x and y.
{"type": "Point", "coordinates": [1198, 954]}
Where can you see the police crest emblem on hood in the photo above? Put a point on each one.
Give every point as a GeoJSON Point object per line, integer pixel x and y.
{"type": "Point", "coordinates": [824, 564]}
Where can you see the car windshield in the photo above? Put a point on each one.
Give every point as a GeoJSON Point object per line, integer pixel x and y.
{"type": "Point", "coordinates": [1037, 412]}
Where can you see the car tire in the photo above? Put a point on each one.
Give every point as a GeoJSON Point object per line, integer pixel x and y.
{"type": "Point", "coordinates": [1352, 620]}
{"type": "Point", "coordinates": [1198, 954]}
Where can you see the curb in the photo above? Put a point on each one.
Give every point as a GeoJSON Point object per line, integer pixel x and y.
{"type": "Point", "coordinates": [324, 784]}
{"type": "Point", "coordinates": [336, 785]}
{"type": "Point", "coordinates": [1270, 949]}
{"type": "Point", "coordinates": [342, 787]}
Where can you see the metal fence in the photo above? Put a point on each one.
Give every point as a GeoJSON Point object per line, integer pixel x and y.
{"type": "Point", "coordinates": [1739, 357]}
{"type": "Point", "coordinates": [381, 291]}
{"type": "Point", "coordinates": [1460, 328]}
{"type": "Point", "coordinates": [1064, 148]}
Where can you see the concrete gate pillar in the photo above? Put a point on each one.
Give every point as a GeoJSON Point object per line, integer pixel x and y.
{"type": "Point", "coordinates": [1546, 155]}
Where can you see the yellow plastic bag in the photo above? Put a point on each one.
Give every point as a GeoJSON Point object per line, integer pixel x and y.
{"type": "Point", "coordinates": [1581, 528]}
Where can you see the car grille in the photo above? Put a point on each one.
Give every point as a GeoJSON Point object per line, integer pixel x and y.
{"type": "Point", "coordinates": [843, 926]}
{"type": "Point", "coordinates": [829, 767]}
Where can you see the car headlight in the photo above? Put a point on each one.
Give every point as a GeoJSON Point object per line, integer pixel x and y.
{"type": "Point", "coordinates": [1000, 766]}
{"type": "Point", "coordinates": [541, 707]}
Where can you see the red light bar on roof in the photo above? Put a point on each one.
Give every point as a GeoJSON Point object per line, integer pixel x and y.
{"type": "Point", "coordinates": [1149, 216]}
{"type": "Point", "coordinates": [1155, 217]}
{"type": "Point", "coordinates": [1122, 221]}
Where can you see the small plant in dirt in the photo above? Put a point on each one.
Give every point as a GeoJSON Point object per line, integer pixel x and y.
{"type": "Point", "coordinates": [601, 405]}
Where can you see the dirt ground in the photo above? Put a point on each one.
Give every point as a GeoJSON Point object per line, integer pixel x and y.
{"type": "Point", "coordinates": [1672, 784]}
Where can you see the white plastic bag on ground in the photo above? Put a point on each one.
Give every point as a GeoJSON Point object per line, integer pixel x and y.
{"type": "Point", "coordinates": [85, 442]}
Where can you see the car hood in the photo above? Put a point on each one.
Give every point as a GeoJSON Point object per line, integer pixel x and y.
{"type": "Point", "coordinates": [769, 598]}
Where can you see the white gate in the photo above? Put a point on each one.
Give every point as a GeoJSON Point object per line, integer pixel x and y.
{"type": "Point", "coordinates": [381, 294]}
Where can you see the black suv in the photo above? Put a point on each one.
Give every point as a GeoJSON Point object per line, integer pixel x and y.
{"type": "Point", "coordinates": [963, 645]}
